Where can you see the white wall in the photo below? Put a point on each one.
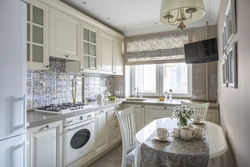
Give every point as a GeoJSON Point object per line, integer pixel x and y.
{"type": "Point", "coordinates": [234, 103]}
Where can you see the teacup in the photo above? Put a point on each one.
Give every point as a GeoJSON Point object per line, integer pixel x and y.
{"type": "Point", "coordinates": [199, 132]}
{"type": "Point", "coordinates": [187, 132]}
{"type": "Point", "coordinates": [197, 119]}
{"type": "Point", "coordinates": [176, 132]}
{"type": "Point", "coordinates": [162, 133]}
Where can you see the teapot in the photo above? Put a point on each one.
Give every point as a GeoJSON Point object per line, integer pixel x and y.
{"type": "Point", "coordinates": [99, 97]}
{"type": "Point", "coordinates": [187, 133]}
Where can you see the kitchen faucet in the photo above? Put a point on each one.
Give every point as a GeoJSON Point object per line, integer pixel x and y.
{"type": "Point", "coordinates": [137, 92]}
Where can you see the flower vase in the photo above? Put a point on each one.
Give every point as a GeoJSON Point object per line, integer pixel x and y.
{"type": "Point", "coordinates": [182, 122]}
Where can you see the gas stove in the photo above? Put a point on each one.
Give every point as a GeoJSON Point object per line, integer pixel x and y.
{"type": "Point", "coordinates": [62, 108]}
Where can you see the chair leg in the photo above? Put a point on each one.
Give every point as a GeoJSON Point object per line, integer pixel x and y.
{"type": "Point", "coordinates": [137, 159]}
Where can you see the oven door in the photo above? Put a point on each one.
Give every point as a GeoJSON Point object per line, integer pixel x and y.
{"type": "Point", "coordinates": [78, 141]}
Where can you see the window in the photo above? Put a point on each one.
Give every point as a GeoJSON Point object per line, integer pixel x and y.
{"type": "Point", "coordinates": [145, 78]}
{"type": "Point", "coordinates": [153, 80]}
{"type": "Point", "coordinates": [175, 77]}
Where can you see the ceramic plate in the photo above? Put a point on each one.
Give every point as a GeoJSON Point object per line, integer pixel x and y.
{"type": "Point", "coordinates": [161, 139]}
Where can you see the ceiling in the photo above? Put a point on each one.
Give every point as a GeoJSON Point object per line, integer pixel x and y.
{"type": "Point", "coordinates": [135, 17]}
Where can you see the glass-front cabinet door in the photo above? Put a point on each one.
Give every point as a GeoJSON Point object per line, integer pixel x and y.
{"type": "Point", "coordinates": [37, 29]}
{"type": "Point", "coordinates": [89, 49]}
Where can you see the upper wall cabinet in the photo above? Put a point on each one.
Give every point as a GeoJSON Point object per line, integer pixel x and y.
{"type": "Point", "coordinates": [89, 51]}
{"type": "Point", "coordinates": [110, 55]}
{"type": "Point", "coordinates": [106, 52]}
{"type": "Point", "coordinates": [37, 35]}
{"type": "Point", "coordinates": [117, 57]}
{"type": "Point", "coordinates": [64, 36]}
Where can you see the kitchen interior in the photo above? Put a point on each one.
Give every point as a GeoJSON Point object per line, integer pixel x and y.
{"type": "Point", "coordinates": [64, 61]}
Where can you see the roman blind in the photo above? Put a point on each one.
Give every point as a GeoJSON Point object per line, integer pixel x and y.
{"type": "Point", "coordinates": [157, 48]}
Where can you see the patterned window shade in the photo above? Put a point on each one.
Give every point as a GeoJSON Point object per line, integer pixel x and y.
{"type": "Point", "coordinates": [156, 48]}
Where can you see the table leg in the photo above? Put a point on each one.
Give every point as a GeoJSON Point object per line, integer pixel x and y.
{"type": "Point", "coordinates": [137, 156]}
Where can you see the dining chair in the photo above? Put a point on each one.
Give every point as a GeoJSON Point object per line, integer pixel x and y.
{"type": "Point", "coordinates": [126, 121]}
{"type": "Point", "coordinates": [200, 108]}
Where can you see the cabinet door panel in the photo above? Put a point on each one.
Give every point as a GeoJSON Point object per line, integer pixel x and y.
{"type": "Point", "coordinates": [101, 127]}
{"type": "Point", "coordinates": [37, 35]}
{"type": "Point", "coordinates": [106, 52]}
{"type": "Point", "coordinates": [117, 57]}
{"type": "Point", "coordinates": [44, 144]}
{"type": "Point", "coordinates": [45, 141]}
{"type": "Point", "coordinates": [139, 115]}
{"type": "Point", "coordinates": [64, 35]}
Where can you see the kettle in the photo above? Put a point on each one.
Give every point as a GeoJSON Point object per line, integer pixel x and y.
{"type": "Point", "coordinates": [99, 97]}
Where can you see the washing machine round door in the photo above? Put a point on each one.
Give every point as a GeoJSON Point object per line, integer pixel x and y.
{"type": "Point", "coordinates": [80, 138]}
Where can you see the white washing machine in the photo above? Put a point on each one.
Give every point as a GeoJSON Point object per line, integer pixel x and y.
{"type": "Point", "coordinates": [78, 137]}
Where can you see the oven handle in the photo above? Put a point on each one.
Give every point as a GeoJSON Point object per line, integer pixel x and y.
{"type": "Point", "coordinates": [79, 126]}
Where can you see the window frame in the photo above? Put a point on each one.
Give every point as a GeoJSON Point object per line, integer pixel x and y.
{"type": "Point", "coordinates": [159, 83]}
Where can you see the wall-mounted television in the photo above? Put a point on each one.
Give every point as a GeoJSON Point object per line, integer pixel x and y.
{"type": "Point", "coordinates": [201, 51]}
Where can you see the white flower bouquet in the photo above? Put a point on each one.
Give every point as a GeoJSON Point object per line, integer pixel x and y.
{"type": "Point", "coordinates": [183, 114]}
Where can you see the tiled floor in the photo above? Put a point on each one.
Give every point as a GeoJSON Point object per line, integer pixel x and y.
{"type": "Point", "coordinates": [111, 159]}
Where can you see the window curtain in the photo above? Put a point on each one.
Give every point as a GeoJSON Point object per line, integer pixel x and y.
{"type": "Point", "coordinates": [157, 48]}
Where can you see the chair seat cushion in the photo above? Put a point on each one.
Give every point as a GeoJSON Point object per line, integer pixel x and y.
{"type": "Point", "coordinates": [130, 157]}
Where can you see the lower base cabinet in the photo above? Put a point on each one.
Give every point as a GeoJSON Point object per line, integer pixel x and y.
{"type": "Point", "coordinates": [153, 112]}
{"type": "Point", "coordinates": [213, 115]}
{"type": "Point", "coordinates": [101, 131]}
{"type": "Point", "coordinates": [45, 145]}
{"type": "Point", "coordinates": [114, 128]}
{"type": "Point", "coordinates": [139, 115]}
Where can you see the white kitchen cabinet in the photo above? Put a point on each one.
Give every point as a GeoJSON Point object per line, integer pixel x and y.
{"type": "Point", "coordinates": [213, 115]}
{"type": "Point", "coordinates": [117, 57]}
{"type": "Point", "coordinates": [45, 145]}
{"type": "Point", "coordinates": [114, 130]}
{"type": "Point", "coordinates": [110, 60]}
{"type": "Point", "coordinates": [106, 53]}
{"type": "Point", "coordinates": [101, 131]}
{"type": "Point", "coordinates": [37, 35]}
{"type": "Point", "coordinates": [89, 52]}
{"type": "Point", "coordinates": [64, 36]}
{"type": "Point", "coordinates": [139, 115]}
{"type": "Point", "coordinates": [153, 112]}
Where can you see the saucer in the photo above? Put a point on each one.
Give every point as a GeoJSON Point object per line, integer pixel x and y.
{"type": "Point", "coordinates": [174, 135]}
{"type": "Point", "coordinates": [196, 122]}
{"type": "Point", "coordinates": [161, 139]}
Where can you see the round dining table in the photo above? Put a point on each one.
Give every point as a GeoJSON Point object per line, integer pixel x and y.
{"type": "Point", "coordinates": [217, 143]}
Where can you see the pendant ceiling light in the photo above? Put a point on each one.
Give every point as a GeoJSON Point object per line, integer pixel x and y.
{"type": "Point", "coordinates": [180, 12]}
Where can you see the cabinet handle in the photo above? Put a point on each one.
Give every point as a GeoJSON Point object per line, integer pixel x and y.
{"type": "Point", "coordinates": [24, 112]}
{"type": "Point", "coordinates": [24, 152]}
{"type": "Point", "coordinates": [46, 127]}
{"type": "Point", "coordinates": [82, 69]}
{"type": "Point", "coordinates": [141, 106]}
{"type": "Point", "coordinates": [47, 66]}
{"type": "Point", "coordinates": [66, 55]}
{"type": "Point", "coordinates": [89, 116]}
{"type": "Point", "coordinates": [165, 107]}
{"type": "Point", "coordinates": [116, 125]}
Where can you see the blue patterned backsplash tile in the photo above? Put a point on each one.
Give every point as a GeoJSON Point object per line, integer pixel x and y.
{"type": "Point", "coordinates": [95, 84]}
{"type": "Point", "coordinates": [55, 86]}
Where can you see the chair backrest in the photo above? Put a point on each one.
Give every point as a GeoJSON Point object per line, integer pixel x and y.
{"type": "Point", "coordinates": [200, 108]}
{"type": "Point", "coordinates": [126, 120]}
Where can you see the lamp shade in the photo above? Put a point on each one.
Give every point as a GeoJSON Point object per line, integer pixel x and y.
{"type": "Point", "coordinates": [173, 7]}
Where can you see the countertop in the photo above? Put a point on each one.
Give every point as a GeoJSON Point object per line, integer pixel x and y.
{"type": "Point", "coordinates": [35, 118]}
{"type": "Point", "coordinates": [38, 118]}
{"type": "Point", "coordinates": [173, 102]}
